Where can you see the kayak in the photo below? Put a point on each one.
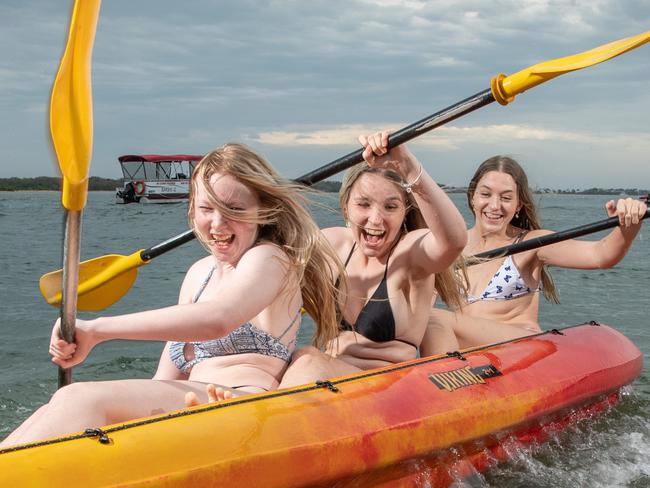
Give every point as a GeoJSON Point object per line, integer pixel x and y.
{"type": "Point", "coordinates": [431, 421]}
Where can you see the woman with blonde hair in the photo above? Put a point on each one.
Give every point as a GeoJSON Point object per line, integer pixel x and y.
{"type": "Point", "coordinates": [503, 294]}
{"type": "Point", "coordinates": [403, 233]}
{"type": "Point", "coordinates": [228, 328]}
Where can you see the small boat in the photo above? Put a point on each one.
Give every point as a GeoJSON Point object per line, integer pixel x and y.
{"type": "Point", "coordinates": [155, 178]}
{"type": "Point", "coordinates": [431, 420]}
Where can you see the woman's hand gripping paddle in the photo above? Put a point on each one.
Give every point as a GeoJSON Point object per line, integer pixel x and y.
{"type": "Point", "coordinates": [72, 136]}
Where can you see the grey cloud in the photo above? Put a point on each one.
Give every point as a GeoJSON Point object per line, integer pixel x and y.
{"type": "Point", "coordinates": [187, 76]}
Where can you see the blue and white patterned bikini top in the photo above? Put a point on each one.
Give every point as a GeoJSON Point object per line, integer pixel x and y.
{"type": "Point", "coordinates": [506, 284]}
{"type": "Point", "coordinates": [244, 339]}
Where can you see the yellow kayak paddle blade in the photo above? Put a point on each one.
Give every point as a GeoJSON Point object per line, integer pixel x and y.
{"type": "Point", "coordinates": [71, 122]}
{"type": "Point", "coordinates": [102, 281]}
{"type": "Point", "coordinates": [505, 88]}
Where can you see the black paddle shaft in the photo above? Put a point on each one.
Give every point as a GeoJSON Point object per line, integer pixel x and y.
{"type": "Point", "coordinates": [556, 237]}
{"type": "Point", "coordinates": [168, 245]}
{"type": "Point", "coordinates": [400, 137]}
{"type": "Point", "coordinates": [403, 135]}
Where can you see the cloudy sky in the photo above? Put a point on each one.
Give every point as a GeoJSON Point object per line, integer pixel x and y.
{"type": "Point", "coordinates": [299, 80]}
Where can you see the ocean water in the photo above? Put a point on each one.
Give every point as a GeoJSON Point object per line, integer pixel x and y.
{"type": "Point", "coordinates": [610, 450]}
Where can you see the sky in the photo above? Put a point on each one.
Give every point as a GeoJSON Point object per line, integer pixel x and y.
{"type": "Point", "coordinates": [298, 80]}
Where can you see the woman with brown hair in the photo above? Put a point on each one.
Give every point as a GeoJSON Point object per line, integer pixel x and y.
{"type": "Point", "coordinates": [503, 294]}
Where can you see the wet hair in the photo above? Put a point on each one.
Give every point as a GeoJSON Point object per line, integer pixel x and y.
{"type": "Point", "coordinates": [526, 217]}
{"type": "Point", "coordinates": [282, 219]}
{"type": "Point", "coordinates": [449, 284]}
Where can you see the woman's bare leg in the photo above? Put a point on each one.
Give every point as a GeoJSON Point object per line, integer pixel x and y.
{"type": "Point", "coordinates": [471, 331]}
{"type": "Point", "coordinates": [26, 425]}
{"type": "Point", "coordinates": [95, 404]}
{"type": "Point", "coordinates": [309, 365]}
{"type": "Point", "coordinates": [439, 337]}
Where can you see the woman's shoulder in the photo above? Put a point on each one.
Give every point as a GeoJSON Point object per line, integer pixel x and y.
{"type": "Point", "coordinates": [414, 235]}
{"type": "Point", "coordinates": [338, 237]}
{"type": "Point", "coordinates": [264, 250]}
{"type": "Point", "coordinates": [410, 239]}
{"type": "Point", "coordinates": [265, 261]}
{"type": "Point", "coordinates": [195, 275]}
{"type": "Point", "coordinates": [531, 258]}
{"type": "Point", "coordinates": [202, 266]}
{"type": "Point", "coordinates": [265, 257]}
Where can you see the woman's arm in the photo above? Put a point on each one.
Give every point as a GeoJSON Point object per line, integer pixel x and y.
{"type": "Point", "coordinates": [605, 252]}
{"type": "Point", "coordinates": [245, 292]}
{"type": "Point", "coordinates": [436, 249]}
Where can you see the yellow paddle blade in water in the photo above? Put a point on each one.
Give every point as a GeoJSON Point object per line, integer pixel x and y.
{"type": "Point", "coordinates": [505, 88]}
{"type": "Point", "coordinates": [102, 281]}
{"type": "Point", "coordinates": [71, 121]}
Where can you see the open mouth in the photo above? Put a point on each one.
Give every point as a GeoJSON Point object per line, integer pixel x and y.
{"type": "Point", "coordinates": [492, 216]}
{"type": "Point", "coordinates": [221, 240]}
{"type": "Point", "coordinates": [372, 236]}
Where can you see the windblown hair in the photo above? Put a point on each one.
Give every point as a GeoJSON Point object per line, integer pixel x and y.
{"type": "Point", "coordinates": [526, 218]}
{"type": "Point", "coordinates": [284, 220]}
{"type": "Point", "coordinates": [449, 284]}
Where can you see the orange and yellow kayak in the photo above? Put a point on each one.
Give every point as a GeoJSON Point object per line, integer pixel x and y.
{"type": "Point", "coordinates": [430, 420]}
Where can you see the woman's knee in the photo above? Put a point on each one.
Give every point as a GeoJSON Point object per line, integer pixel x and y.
{"type": "Point", "coordinates": [307, 364]}
{"type": "Point", "coordinates": [306, 355]}
{"type": "Point", "coordinates": [439, 336]}
{"type": "Point", "coordinates": [83, 394]}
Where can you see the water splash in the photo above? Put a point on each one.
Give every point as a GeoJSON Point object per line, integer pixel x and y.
{"type": "Point", "coordinates": [608, 450]}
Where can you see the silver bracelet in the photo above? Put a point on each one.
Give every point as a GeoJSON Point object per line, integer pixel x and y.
{"type": "Point", "coordinates": [408, 187]}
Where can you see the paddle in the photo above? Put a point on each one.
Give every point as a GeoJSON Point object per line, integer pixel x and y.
{"type": "Point", "coordinates": [72, 133]}
{"type": "Point", "coordinates": [103, 272]}
{"type": "Point", "coordinates": [548, 239]}
{"type": "Point", "coordinates": [106, 279]}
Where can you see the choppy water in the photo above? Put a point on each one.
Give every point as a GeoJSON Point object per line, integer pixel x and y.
{"type": "Point", "coordinates": [611, 450]}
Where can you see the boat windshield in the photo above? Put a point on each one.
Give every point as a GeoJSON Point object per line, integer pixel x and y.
{"type": "Point", "coordinates": [157, 167]}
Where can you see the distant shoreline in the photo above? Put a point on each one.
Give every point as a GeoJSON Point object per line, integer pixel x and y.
{"type": "Point", "coordinates": [51, 183]}
{"type": "Point", "coordinates": [634, 192]}
{"type": "Point", "coordinates": [95, 183]}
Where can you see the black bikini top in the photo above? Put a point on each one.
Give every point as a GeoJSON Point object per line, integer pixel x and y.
{"type": "Point", "coordinates": [375, 321]}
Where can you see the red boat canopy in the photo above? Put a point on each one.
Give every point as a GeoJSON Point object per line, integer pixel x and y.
{"type": "Point", "coordinates": [152, 167]}
{"type": "Point", "coordinates": [157, 158]}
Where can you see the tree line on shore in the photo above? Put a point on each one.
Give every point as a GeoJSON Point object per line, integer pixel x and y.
{"type": "Point", "coordinates": [96, 183]}
{"type": "Point", "coordinates": [53, 183]}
